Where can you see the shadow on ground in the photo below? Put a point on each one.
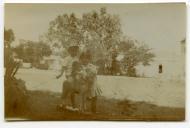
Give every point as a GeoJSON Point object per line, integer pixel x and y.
{"type": "Point", "coordinates": [42, 106]}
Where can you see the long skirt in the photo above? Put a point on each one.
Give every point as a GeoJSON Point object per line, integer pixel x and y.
{"type": "Point", "coordinates": [95, 90]}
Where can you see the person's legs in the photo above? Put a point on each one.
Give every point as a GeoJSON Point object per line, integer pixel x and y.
{"type": "Point", "coordinates": [65, 92]}
{"type": "Point", "coordinates": [69, 92]}
{"type": "Point", "coordinates": [64, 96]}
{"type": "Point", "coordinates": [75, 92]}
{"type": "Point", "coordinates": [93, 104]}
{"type": "Point", "coordinates": [73, 99]}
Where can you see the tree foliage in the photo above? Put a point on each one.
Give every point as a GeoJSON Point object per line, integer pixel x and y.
{"type": "Point", "coordinates": [134, 54]}
{"type": "Point", "coordinates": [8, 37]}
{"type": "Point", "coordinates": [98, 31]}
{"type": "Point", "coordinates": [15, 91]}
{"type": "Point", "coordinates": [64, 29]}
{"type": "Point", "coordinates": [101, 33]}
{"type": "Point", "coordinates": [32, 52]}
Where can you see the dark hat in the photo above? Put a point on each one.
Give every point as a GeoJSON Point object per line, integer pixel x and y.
{"type": "Point", "coordinates": [73, 48]}
{"type": "Point", "coordinates": [87, 55]}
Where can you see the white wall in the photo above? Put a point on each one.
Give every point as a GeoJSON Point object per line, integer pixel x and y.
{"type": "Point", "coordinates": [173, 65]}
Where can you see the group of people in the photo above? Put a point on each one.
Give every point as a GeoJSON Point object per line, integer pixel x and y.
{"type": "Point", "coordinates": [80, 85]}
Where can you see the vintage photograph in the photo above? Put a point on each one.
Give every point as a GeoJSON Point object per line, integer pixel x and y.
{"type": "Point", "coordinates": [94, 61]}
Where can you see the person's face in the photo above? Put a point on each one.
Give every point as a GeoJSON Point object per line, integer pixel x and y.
{"type": "Point", "coordinates": [85, 61]}
{"type": "Point", "coordinates": [73, 52]}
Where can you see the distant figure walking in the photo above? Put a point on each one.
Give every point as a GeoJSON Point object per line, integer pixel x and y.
{"type": "Point", "coordinates": [160, 68]}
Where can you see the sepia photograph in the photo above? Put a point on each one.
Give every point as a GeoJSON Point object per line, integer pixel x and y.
{"type": "Point", "coordinates": [99, 62]}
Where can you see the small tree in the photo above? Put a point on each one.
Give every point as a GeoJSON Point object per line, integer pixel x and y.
{"type": "Point", "coordinates": [15, 91]}
{"type": "Point", "coordinates": [9, 64]}
{"type": "Point", "coordinates": [8, 39]}
{"type": "Point", "coordinates": [134, 54]}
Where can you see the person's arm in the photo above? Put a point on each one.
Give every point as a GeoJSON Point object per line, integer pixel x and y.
{"type": "Point", "coordinates": [64, 66]}
{"type": "Point", "coordinates": [61, 73]}
{"type": "Point", "coordinates": [91, 72]}
{"type": "Point", "coordinates": [92, 69]}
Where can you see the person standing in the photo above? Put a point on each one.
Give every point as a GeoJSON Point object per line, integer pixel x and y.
{"type": "Point", "coordinates": [89, 73]}
{"type": "Point", "coordinates": [68, 89]}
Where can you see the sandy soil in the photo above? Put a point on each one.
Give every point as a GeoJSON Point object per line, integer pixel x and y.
{"type": "Point", "coordinates": [123, 98]}
{"type": "Point", "coordinates": [43, 106]}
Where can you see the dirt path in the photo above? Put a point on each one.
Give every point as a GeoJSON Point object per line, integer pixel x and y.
{"type": "Point", "coordinates": [42, 106]}
{"type": "Point", "coordinates": [123, 98]}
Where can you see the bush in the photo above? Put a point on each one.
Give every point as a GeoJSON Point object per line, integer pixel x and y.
{"type": "Point", "coordinates": [15, 98]}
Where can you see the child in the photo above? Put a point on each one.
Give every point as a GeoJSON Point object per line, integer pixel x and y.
{"type": "Point", "coordinates": [68, 86]}
{"type": "Point", "coordinates": [89, 75]}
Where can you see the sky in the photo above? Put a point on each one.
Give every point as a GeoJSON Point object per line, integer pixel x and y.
{"type": "Point", "coordinates": [160, 26]}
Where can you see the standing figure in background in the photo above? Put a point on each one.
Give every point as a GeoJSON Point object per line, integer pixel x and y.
{"type": "Point", "coordinates": [160, 68]}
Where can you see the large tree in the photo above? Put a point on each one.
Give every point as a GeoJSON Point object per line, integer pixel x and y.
{"type": "Point", "coordinates": [100, 32]}
{"type": "Point", "coordinates": [63, 30]}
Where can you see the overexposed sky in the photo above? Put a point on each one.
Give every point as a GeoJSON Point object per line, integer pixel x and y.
{"type": "Point", "coordinates": [161, 26]}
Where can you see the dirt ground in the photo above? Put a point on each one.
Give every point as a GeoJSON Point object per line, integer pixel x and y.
{"type": "Point", "coordinates": [123, 98]}
{"type": "Point", "coordinates": [43, 106]}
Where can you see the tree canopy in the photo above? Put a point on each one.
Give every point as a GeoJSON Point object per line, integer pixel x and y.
{"type": "Point", "coordinates": [101, 33]}
{"type": "Point", "coordinates": [32, 52]}
{"type": "Point", "coordinates": [98, 31]}
{"type": "Point", "coordinates": [8, 37]}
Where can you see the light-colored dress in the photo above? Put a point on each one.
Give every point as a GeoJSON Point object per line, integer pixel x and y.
{"type": "Point", "coordinates": [67, 63]}
{"type": "Point", "coordinates": [90, 73]}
